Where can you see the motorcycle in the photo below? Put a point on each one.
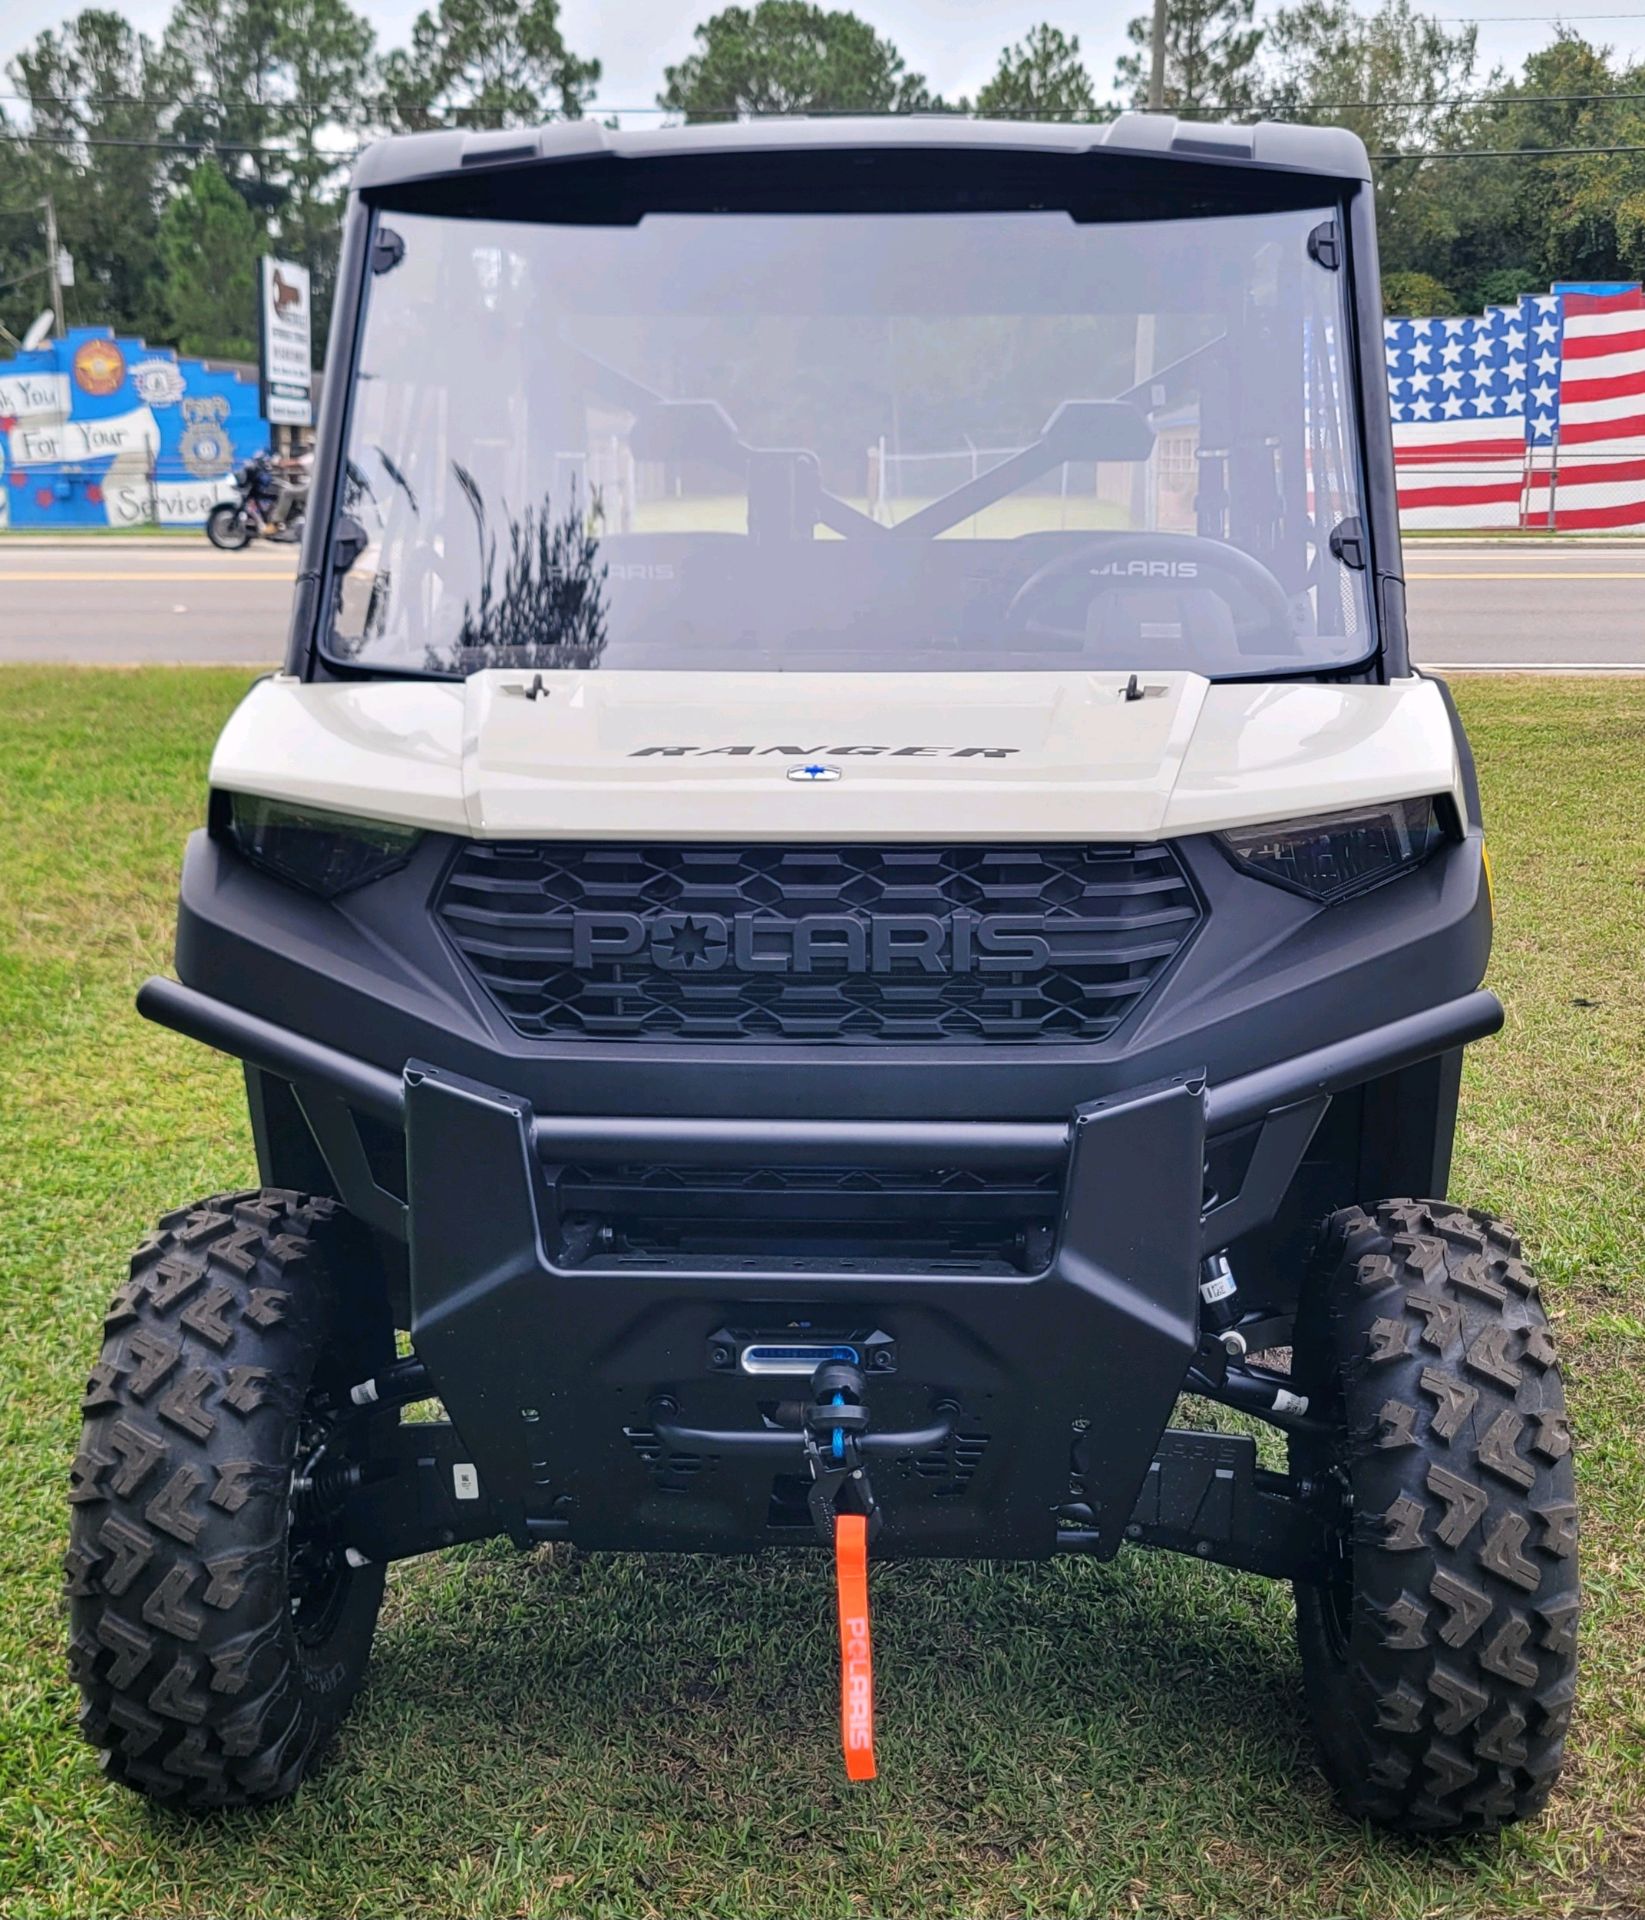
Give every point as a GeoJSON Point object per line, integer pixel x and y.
{"type": "Point", "coordinates": [269, 506]}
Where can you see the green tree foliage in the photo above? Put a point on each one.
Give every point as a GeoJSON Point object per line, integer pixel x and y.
{"type": "Point", "coordinates": [1211, 50]}
{"type": "Point", "coordinates": [485, 63]}
{"type": "Point", "coordinates": [227, 56]}
{"type": "Point", "coordinates": [89, 83]}
{"type": "Point", "coordinates": [22, 289]}
{"type": "Point", "coordinates": [328, 65]}
{"type": "Point", "coordinates": [1419, 294]}
{"type": "Point", "coordinates": [1502, 286]}
{"type": "Point", "coordinates": [209, 243]}
{"type": "Point", "coordinates": [1041, 78]}
{"type": "Point", "coordinates": [1405, 83]}
{"type": "Point", "coordinates": [264, 86]}
{"type": "Point", "coordinates": [1578, 216]}
{"type": "Point", "coordinates": [788, 56]}
{"type": "Point", "coordinates": [277, 94]}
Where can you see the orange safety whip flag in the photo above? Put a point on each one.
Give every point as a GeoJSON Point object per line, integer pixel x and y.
{"type": "Point", "coordinates": [856, 1645]}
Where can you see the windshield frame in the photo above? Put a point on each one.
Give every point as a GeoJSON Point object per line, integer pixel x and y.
{"type": "Point", "coordinates": [1095, 184]}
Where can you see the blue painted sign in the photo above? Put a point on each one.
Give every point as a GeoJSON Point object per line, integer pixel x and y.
{"type": "Point", "coordinates": [99, 431]}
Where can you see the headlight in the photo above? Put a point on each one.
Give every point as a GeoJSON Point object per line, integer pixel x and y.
{"type": "Point", "coordinates": [1340, 854]}
{"type": "Point", "coordinates": [309, 847]}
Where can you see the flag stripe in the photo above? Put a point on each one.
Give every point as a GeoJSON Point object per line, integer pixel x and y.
{"type": "Point", "coordinates": [1581, 345]}
{"type": "Point", "coordinates": [1502, 449]}
{"type": "Point", "coordinates": [1615, 383]}
{"type": "Point", "coordinates": [1475, 493]}
{"type": "Point", "coordinates": [1592, 433]}
{"type": "Point", "coordinates": [1592, 473]}
{"type": "Point", "coordinates": [1615, 513]}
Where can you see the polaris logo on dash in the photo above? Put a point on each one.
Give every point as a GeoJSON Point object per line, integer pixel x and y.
{"type": "Point", "coordinates": [813, 772]}
{"type": "Point", "coordinates": [1149, 570]}
{"type": "Point", "coordinates": [821, 755]}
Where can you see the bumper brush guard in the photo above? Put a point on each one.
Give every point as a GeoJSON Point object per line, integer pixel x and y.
{"type": "Point", "coordinates": [567, 1386]}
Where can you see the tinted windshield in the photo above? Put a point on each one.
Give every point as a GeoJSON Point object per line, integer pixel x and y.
{"type": "Point", "coordinates": [854, 442]}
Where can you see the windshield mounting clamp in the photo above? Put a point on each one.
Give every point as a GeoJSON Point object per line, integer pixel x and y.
{"type": "Point", "coordinates": [1325, 246]}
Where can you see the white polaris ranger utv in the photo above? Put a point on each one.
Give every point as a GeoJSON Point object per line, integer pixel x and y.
{"type": "Point", "coordinates": [848, 890]}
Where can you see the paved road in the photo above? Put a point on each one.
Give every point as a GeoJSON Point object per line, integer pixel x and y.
{"type": "Point", "coordinates": [1471, 606]}
{"type": "Point", "coordinates": [1548, 607]}
{"type": "Point", "coordinates": [119, 603]}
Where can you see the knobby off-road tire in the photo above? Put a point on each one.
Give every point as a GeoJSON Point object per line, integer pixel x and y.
{"type": "Point", "coordinates": [213, 1661]}
{"type": "Point", "coordinates": [1440, 1673]}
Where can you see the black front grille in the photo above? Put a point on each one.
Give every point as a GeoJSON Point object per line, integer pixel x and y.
{"type": "Point", "coordinates": [864, 945]}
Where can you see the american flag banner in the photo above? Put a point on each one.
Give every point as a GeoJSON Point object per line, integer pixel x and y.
{"type": "Point", "coordinates": [1528, 415]}
{"type": "Point", "coordinates": [1587, 435]}
{"type": "Point", "coordinates": [1458, 390]}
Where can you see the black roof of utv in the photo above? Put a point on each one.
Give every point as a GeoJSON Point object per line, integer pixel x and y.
{"type": "Point", "coordinates": [1318, 151]}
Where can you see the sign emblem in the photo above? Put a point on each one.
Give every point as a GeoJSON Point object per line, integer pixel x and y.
{"type": "Point", "coordinates": [99, 368]}
{"type": "Point", "coordinates": [813, 772]}
{"type": "Point", "coordinates": [159, 383]}
{"type": "Point", "coordinates": [206, 447]}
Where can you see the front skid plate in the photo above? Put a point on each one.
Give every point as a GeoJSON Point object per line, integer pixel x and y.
{"type": "Point", "coordinates": [549, 1372]}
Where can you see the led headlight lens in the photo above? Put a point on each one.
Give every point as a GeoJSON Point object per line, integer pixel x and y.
{"type": "Point", "coordinates": [309, 847]}
{"type": "Point", "coordinates": [1340, 854]}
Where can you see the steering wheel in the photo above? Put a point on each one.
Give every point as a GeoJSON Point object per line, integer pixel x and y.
{"type": "Point", "coordinates": [1178, 557]}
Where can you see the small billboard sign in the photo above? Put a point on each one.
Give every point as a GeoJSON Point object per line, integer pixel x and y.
{"type": "Point", "coordinates": [286, 335]}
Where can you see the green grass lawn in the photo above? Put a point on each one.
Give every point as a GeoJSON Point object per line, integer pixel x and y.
{"type": "Point", "coordinates": [589, 1735]}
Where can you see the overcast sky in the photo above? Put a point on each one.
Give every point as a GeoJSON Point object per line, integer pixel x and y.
{"type": "Point", "coordinates": [954, 43]}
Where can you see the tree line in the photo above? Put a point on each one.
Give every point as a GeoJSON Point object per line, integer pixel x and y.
{"type": "Point", "coordinates": [174, 161]}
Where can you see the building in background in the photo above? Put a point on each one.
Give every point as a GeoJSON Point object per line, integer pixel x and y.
{"type": "Point", "coordinates": [103, 431]}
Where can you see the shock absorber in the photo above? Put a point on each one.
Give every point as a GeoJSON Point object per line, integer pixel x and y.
{"type": "Point", "coordinates": [399, 1383]}
{"type": "Point", "coordinates": [318, 1496]}
{"type": "Point", "coordinates": [1219, 1304]}
{"type": "Point", "coordinates": [1226, 1377]}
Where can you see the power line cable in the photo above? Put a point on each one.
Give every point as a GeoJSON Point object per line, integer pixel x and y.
{"type": "Point", "coordinates": [1527, 19]}
{"type": "Point", "coordinates": [596, 108]}
{"type": "Point", "coordinates": [1503, 153]}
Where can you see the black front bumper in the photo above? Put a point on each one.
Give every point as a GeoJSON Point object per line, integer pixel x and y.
{"type": "Point", "coordinates": [595, 1389]}
{"type": "Point", "coordinates": [592, 1395]}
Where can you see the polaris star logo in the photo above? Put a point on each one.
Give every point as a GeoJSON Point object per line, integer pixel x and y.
{"type": "Point", "coordinates": [962, 942]}
{"type": "Point", "coordinates": [692, 942]}
{"type": "Point", "coordinates": [813, 770]}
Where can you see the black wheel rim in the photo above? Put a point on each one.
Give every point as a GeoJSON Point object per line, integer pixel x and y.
{"type": "Point", "coordinates": [317, 1569]}
{"type": "Point", "coordinates": [1336, 1611]}
{"type": "Point", "coordinates": [1323, 1463]}
{"type": "Point", "coordinates": [319, 1578]}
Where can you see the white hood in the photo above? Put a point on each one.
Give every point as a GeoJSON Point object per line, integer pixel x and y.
{"type": "Point", "coordinates": [977, 756]}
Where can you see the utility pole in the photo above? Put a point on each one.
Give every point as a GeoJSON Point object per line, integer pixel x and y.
{"type": "Point", "coordinates": [52, 259]}
{"type": "Point", "coordinates": [1156, 72]}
